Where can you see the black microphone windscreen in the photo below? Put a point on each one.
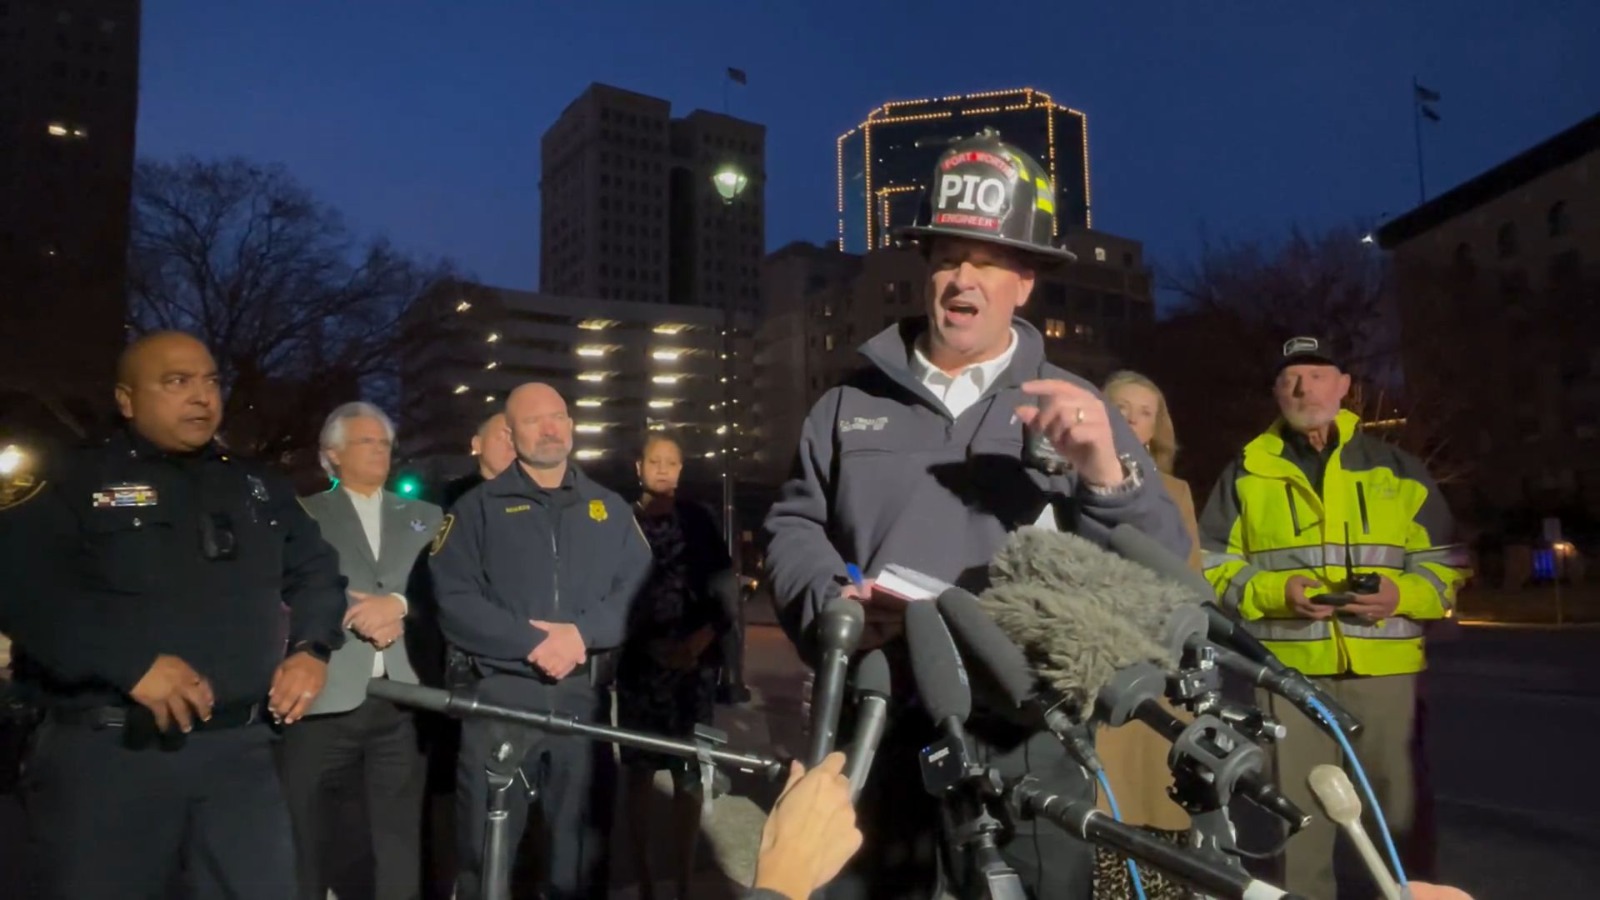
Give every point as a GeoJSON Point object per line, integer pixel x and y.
{"type": "Point", "coordinates": [989, 645]}
{"type": "Point", "coordinates": [935, 664]}
{"type": "Point", "coordinates": [872, 674]}
{"type": "Point", "coordinates": [1074, 646]}
{"type": "Point", "coordinates": [1132, 544]}
{"type": "Point", "coordinates": [839, 625]}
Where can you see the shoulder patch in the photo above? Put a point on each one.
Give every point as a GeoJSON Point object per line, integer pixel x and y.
{"type": "Point", "coordinates": [18, 490]}
{"type": "Point", "coordinates": [443, 535]}
{"type": "Point", "coordinates": [597, 510]}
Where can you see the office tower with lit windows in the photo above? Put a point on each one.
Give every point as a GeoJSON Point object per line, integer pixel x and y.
{"type": "Point", "coordinates": [628, 210]}
{"type": "Point", "coordinates": [69, 97]}
{"type": "Point", "coordinates": [884, 163]}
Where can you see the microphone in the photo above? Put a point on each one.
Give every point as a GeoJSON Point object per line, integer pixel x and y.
{"type": "Point", "coordinates": [936, 668]}
{"type": "Point", "coordinates": [873, 690]}
{"type": "Point", "coordinates": [1134, 545]}
{"type": "Point", "coordinates": [838, 633]}
{"type": "Point", "coordinates": [467, 705]}
{"type": "Point", "coordinates": [1337, 797]}
{"type": "Point", "coordinates": [1028, 798]}
{"type": "Point", "coordinates": [1098, 623]}
{"type": "Point", "coordinates": [985, 642]}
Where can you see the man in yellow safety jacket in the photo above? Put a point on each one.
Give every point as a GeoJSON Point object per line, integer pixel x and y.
{"type": "Point", "coordinates": [1274, 536]}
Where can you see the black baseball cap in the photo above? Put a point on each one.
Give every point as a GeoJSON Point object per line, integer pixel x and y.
{"type": "Point", "coordinates": [1305, 350]}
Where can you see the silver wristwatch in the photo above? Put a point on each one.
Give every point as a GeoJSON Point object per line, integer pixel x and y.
{"type": "Point", "coordinates": [1132, 479]}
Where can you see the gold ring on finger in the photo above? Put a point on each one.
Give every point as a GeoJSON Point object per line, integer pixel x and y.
{"type": "Point", "coordinates": [1077, 418]}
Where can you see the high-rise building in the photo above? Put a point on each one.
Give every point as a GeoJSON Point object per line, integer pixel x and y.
{"type": "Point", "coordinates": [629, 210]}
{"type": "Point", "coordinates": [69, 95]}
{"type": "Point", "coordinates": [884, 163]}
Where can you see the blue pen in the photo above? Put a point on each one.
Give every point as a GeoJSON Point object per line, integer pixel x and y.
{"type": "Point", "coordinates": [854, 571]}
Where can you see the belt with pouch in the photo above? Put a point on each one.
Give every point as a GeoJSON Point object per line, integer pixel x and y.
{"type": "Point", "coordinates": [599, 670]}
{"type": "Point", "coordinates": [236, 715]}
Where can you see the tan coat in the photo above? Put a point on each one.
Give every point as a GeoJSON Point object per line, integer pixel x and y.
{"type": "Point", "coordinates": [1134, 756]}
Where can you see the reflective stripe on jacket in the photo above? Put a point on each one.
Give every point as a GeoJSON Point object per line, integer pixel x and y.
{"type": "Point", "coordinates": [1264, 523]}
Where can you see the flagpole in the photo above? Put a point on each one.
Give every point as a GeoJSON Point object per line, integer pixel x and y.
{"type": "Point", "coordinates": [1416, 125]}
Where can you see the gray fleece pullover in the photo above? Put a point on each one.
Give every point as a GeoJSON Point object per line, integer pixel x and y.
{"type": "Point", "coordinates": [885, 475]}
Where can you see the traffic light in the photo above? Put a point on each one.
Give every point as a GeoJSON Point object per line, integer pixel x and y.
{"type": "Point", "coordinates": [408, 486]}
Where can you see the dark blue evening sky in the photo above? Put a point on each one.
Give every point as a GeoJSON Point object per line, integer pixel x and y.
{"type": "Point", "coordinates": [422, 120]}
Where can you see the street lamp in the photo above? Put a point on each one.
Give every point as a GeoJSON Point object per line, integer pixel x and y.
{"type": "Point", "coordinates": [730, 181]}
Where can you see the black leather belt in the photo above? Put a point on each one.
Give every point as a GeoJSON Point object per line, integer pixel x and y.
{"type": "Point", "coordinates": [222, 717]}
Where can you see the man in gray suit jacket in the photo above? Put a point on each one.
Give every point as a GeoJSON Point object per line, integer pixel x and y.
{"type": "Point", "coordinates": [381, 538]}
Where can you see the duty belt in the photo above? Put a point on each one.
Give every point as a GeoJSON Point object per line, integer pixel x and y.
{"type": "Point", "coordinates": [222, 717]}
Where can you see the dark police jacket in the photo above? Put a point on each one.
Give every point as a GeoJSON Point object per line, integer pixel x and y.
{"type": "Point", "coordinates": [128, 552]}
{"type": "Point", "coordinates": [510, 551]}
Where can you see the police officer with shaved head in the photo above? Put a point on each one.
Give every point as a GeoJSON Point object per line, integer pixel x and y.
{"type": "Point", "coordinates": [955, 433]}
{"type": "Point", "coordinates": [149, 576]}
{"type": "Point", "coordinates": [535, 572]}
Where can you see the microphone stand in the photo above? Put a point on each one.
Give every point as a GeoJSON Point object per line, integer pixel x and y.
{"type": "Point", "coordinates": [966, 790]}
{"type": "Point", "coordinates": [503, 762]}
{"type": "Point", "coordinates": [1208, 759]}
{"type": "Point", "coordinates": [1027, 798]}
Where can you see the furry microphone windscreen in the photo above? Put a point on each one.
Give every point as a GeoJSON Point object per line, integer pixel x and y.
{"type": "Point", "coordinates": [1075, 647]}
{"type": "Point", "coordinates": [1091, 575]}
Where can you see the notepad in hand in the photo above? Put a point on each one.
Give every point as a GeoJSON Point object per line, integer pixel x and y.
{"type": "Point", "coordinates": [908, 585]}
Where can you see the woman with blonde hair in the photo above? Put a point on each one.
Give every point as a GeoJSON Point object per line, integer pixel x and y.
{"type": "Point", "coordinates": [1145, 408]}
{"type": "Point", "coordinates": [1135, 757]}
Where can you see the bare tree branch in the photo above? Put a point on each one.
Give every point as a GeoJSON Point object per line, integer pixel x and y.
{"type": "Point", "coordinates": [1239, 300]}
{"type": "Point", "coordinates": [300, 315]}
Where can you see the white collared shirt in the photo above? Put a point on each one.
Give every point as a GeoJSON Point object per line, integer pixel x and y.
{"type": "Point", "coordinates": [959, 391]}
{"type": "Point", "coordinates": [369, 509]}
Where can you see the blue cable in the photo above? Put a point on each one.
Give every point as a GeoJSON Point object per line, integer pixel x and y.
{"type": "Point", "coordinates": [1366, 787]}
{"type": "Point", "coordinates": [1111, 800]}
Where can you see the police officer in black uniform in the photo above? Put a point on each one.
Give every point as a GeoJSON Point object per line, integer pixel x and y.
{"type": "Point", "coordinates": [535, 572]}
{"type": "Point", "coordinates": [148, 579]}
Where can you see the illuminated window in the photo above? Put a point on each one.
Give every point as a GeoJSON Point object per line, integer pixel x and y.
{"type": "Point", "coordinates": [493, 336]}
{"type": "Point", "coordinates": [488, 398]}
{"type": "Point", "coordinates": [665, 379]}
{"type": "Point", "coordinates": [593, 350]}
{"type": "Point", "coordinates": [827, 342]}
{"type": "Point", "coordinates": [1055, 328]}
{"type": "Point", "coordinates": [57, 129]}
{"type": "Point", "coordinates": [1084, 331]}
{"type": "Point", "coordinates": [1099, 254]}
{"type": "Point", "coordinates": [668, 328]}
{"type": "Point", "coordinates": [463, 306]}
{"type": "Point", "coordinates": [597, 324]}
{"type": "Point", "coordinates": [590, 428]}
{"type": "Point", "coordinates": [590, 402]}
{"type": "Point", "coordinates": [589, 454]}
{"type": "Point", "coordinates": [461, 389]}
{"type": "Point", "coordinates": [591, 376]}
{"type": "Point", "coordinates": [666, 355]}
{"type": "Point", "coordinates": [492, 365]}
{"type": "Point", "coordinates": [661, 404]}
